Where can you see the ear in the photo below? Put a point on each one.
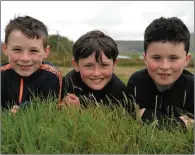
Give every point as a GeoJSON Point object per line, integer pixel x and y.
{"type": "Point", "coordinates": [4, 48]}
{"type": "Point", "coordinates": [144, 56]}
{"type": "Point", "coordinates": [75, 65]}
{"type": "Point", "coordinates": [114, 64]}
{"type": "Point", "coordinates": [47, 51]}
{"type": "Point", "coordinates": [188, 57]}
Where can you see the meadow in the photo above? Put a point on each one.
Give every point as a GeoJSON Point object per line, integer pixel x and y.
{"type": "Point", "coordinates": [44, 129]}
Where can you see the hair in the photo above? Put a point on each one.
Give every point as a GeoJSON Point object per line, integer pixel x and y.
{"type": "Point", "coordinates": [95, 41]}
{"type": "Point", "coordinates": [30, 27]}
{"type": "Point", "coordinates": [167, 30]}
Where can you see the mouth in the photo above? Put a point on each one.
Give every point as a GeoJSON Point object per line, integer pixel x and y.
{"type": "Point", "coordinates": [25, 67]}
{"type": "Point", "coordinates": [97, 80]}
{"type": "Point", "coordinates": [164, 74]}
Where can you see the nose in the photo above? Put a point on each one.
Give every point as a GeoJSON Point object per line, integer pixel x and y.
{"type": "Point", "coordinates": [96, 71]}
{"type": "Point", "coordinates": [165, 65]}
{"type": "Point", "coordinates": [25, 56]}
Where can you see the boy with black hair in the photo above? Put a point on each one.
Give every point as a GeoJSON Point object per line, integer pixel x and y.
{"type": "Point", "coordinates": [25, 74]}
{"type": "Point", "coordinates": [95, 57]}
{"type": "Point", "coordinates": [165, 89]}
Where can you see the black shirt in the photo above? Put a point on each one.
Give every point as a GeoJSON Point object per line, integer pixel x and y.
{"type": "Point", "coordinates": [179, 98]}
{"type": "Point", "coordinates": [17, 90]}
{"type": "Point", "coordinates": [114, 90]}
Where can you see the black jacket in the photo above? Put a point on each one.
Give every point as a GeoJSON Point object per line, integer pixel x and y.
{"type": "Point", "coordinates": [17, 90]}
{"type": "Point", "coordinates": [169, 103]}
{"type": "Point", "coordinates": [114, 90]}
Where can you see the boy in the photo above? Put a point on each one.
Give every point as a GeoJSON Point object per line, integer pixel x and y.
{"type": "Point", "coordinates": [95, 57]}
{"type": "Point", "coordinates": [25, 74]}
{"type": "Point", "coordinates": [165, 88]}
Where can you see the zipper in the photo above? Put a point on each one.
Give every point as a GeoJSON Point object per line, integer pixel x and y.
{"type": "Point", "coordinates": [21, 90]}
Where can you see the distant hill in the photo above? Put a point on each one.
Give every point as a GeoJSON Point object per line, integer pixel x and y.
{"type": "Point", "coordinates": [138, 46]}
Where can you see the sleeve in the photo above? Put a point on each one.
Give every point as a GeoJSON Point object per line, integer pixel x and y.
{"type": "Point", "coordinates": [3, 100]}
{"type": "Point", "coordinates": [67, 86]}
{"type": "Point", "coordinates": [189, 104]}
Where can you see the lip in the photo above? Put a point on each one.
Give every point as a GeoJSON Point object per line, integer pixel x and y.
{"type": "Point", "coordinates": [164, 75]}
{"type": "Point", "coordinates": [24, 67]}
{"type": "Point", "coordinates": [97, 80]}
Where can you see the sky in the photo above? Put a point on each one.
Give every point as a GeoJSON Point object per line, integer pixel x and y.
{"type": "Point", "coordinates": [121, 20]}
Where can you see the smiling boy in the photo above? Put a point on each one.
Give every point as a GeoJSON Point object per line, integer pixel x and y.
{"type": "Point", "coordinates": [165, 88]}
{"type": "Point", "coordinates": [95, 57]}
{"type": "Point", "coordinates": [26, 74]}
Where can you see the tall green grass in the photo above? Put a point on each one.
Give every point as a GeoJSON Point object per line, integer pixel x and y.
{"type": "Point", "coordinates": [42, 128]}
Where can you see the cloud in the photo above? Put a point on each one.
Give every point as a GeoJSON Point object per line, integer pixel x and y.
{"type": "Point", "coordinates": [125, 20]}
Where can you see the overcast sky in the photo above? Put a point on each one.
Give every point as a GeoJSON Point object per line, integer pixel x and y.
{"type": "Point", "coordinates": [125, 20]}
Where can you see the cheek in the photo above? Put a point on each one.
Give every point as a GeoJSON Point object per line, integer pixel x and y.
{"type": "Point", "coordinates": [178, 66]}
{"type": "Point", "coordinates": [108, 72]}
{"type": "Point", "coordinates": [13, 57]}
{"type": "Point", "coordinates": [153, 66]}
{"type": "Point", "coordinates": [84, 73]}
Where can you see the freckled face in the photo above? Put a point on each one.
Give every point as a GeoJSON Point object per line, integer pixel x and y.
{"type": "Point", "coordinates": [95, 74]}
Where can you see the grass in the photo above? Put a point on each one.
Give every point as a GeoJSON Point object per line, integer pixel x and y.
{"type": "Point", "coordinates": [43, 129]}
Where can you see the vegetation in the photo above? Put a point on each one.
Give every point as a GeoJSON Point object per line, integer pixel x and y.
{"type": "Point", "coordinates": [42, 128]}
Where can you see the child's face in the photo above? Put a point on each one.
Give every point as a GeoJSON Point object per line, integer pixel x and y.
{"type": "Point", "coordinates": [24, 55]}
{"type": "Point", "coordinates": [94, 74]}
{"type": "Point", "coordinates": [165, 61]}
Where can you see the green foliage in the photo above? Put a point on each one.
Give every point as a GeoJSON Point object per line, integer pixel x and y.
{"type": "Point", "coordinates": [60, 44]}
{"type": "Point", "coordinates": [130, 62]}
{"type": "Point", "coordinates": [44, 129]}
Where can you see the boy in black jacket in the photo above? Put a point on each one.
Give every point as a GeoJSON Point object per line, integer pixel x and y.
{"type": "Point", "coordinates": [26, 74]}
{"type": "Point", "coordinates": [165, 88]}
{"type": "Point", "coordinates": [95, 57]}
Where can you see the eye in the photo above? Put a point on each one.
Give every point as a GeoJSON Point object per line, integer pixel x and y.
{"type": "Point", "coordinates": [173, 57]}
{"type": "Point", "coordinates": [34, 51]}
{"type": "Point", "coordinates": [104, 65]}
{"type": "Point", "coordinates": [17, 49]}
{"type": "Point", "coordinates": [88, 65]}
{"type": "Point", "coordinates": [156, 57]}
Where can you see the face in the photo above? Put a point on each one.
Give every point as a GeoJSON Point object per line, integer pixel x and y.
{"type": "Point", "coordinates": [95, 74]}
{"type": "Point", "coordinates": [165, 61]}
{"type": "Point", "coordinates": [24, 55]}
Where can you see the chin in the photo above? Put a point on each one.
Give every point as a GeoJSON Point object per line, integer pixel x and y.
{"type": "Point", "coordinates": [25, 74]}
{"type": "Point", "coordinates": [97, 88]}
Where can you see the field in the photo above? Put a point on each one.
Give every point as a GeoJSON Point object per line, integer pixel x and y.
{"type": "Point", "coordinates": [123, 72]}
{"type": "Point", "coordinates": [43, 129]}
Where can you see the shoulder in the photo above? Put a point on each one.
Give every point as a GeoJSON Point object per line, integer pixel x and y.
{"type": "Point", "coordinates": [139, 76]}
{"type": "Point", "coordinates": [50, 68]}
{"type": "Point", "coordinates": [72, 75]}
{"type": "Point", "coordinates": [5, 67]}
{"type": "Point", "coordinates": [117, 82]}
{"type": "Point", "coordinates": [188, 76]}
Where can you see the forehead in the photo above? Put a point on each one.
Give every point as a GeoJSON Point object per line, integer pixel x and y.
{"type": "Point", "coordinates": [17, 38]}
{"type": "Point", "coordinates": [91, 58]}
{"type": "Point", "coordinates": [166, 48]}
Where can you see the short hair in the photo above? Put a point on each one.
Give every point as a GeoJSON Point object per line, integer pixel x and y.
{"type": "Point", "coordinates": [167, 30]}
{"type": "Point", "coordinates": [95, 41]}
{"type": "Point", "coordinates": [29, 26]}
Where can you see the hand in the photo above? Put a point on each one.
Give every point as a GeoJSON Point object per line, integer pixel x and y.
{"type": "Point", "coordinates": [15, 109]}
{"type": "Point", "coordinates": [141, 111]}
{"type": "Point", "coordinates": [71, 99]}
{"type": "Point", "coordinates": [188, 122]}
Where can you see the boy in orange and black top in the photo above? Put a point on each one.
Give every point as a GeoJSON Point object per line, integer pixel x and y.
{"type": "Point", "coordinates": [26, 74]}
